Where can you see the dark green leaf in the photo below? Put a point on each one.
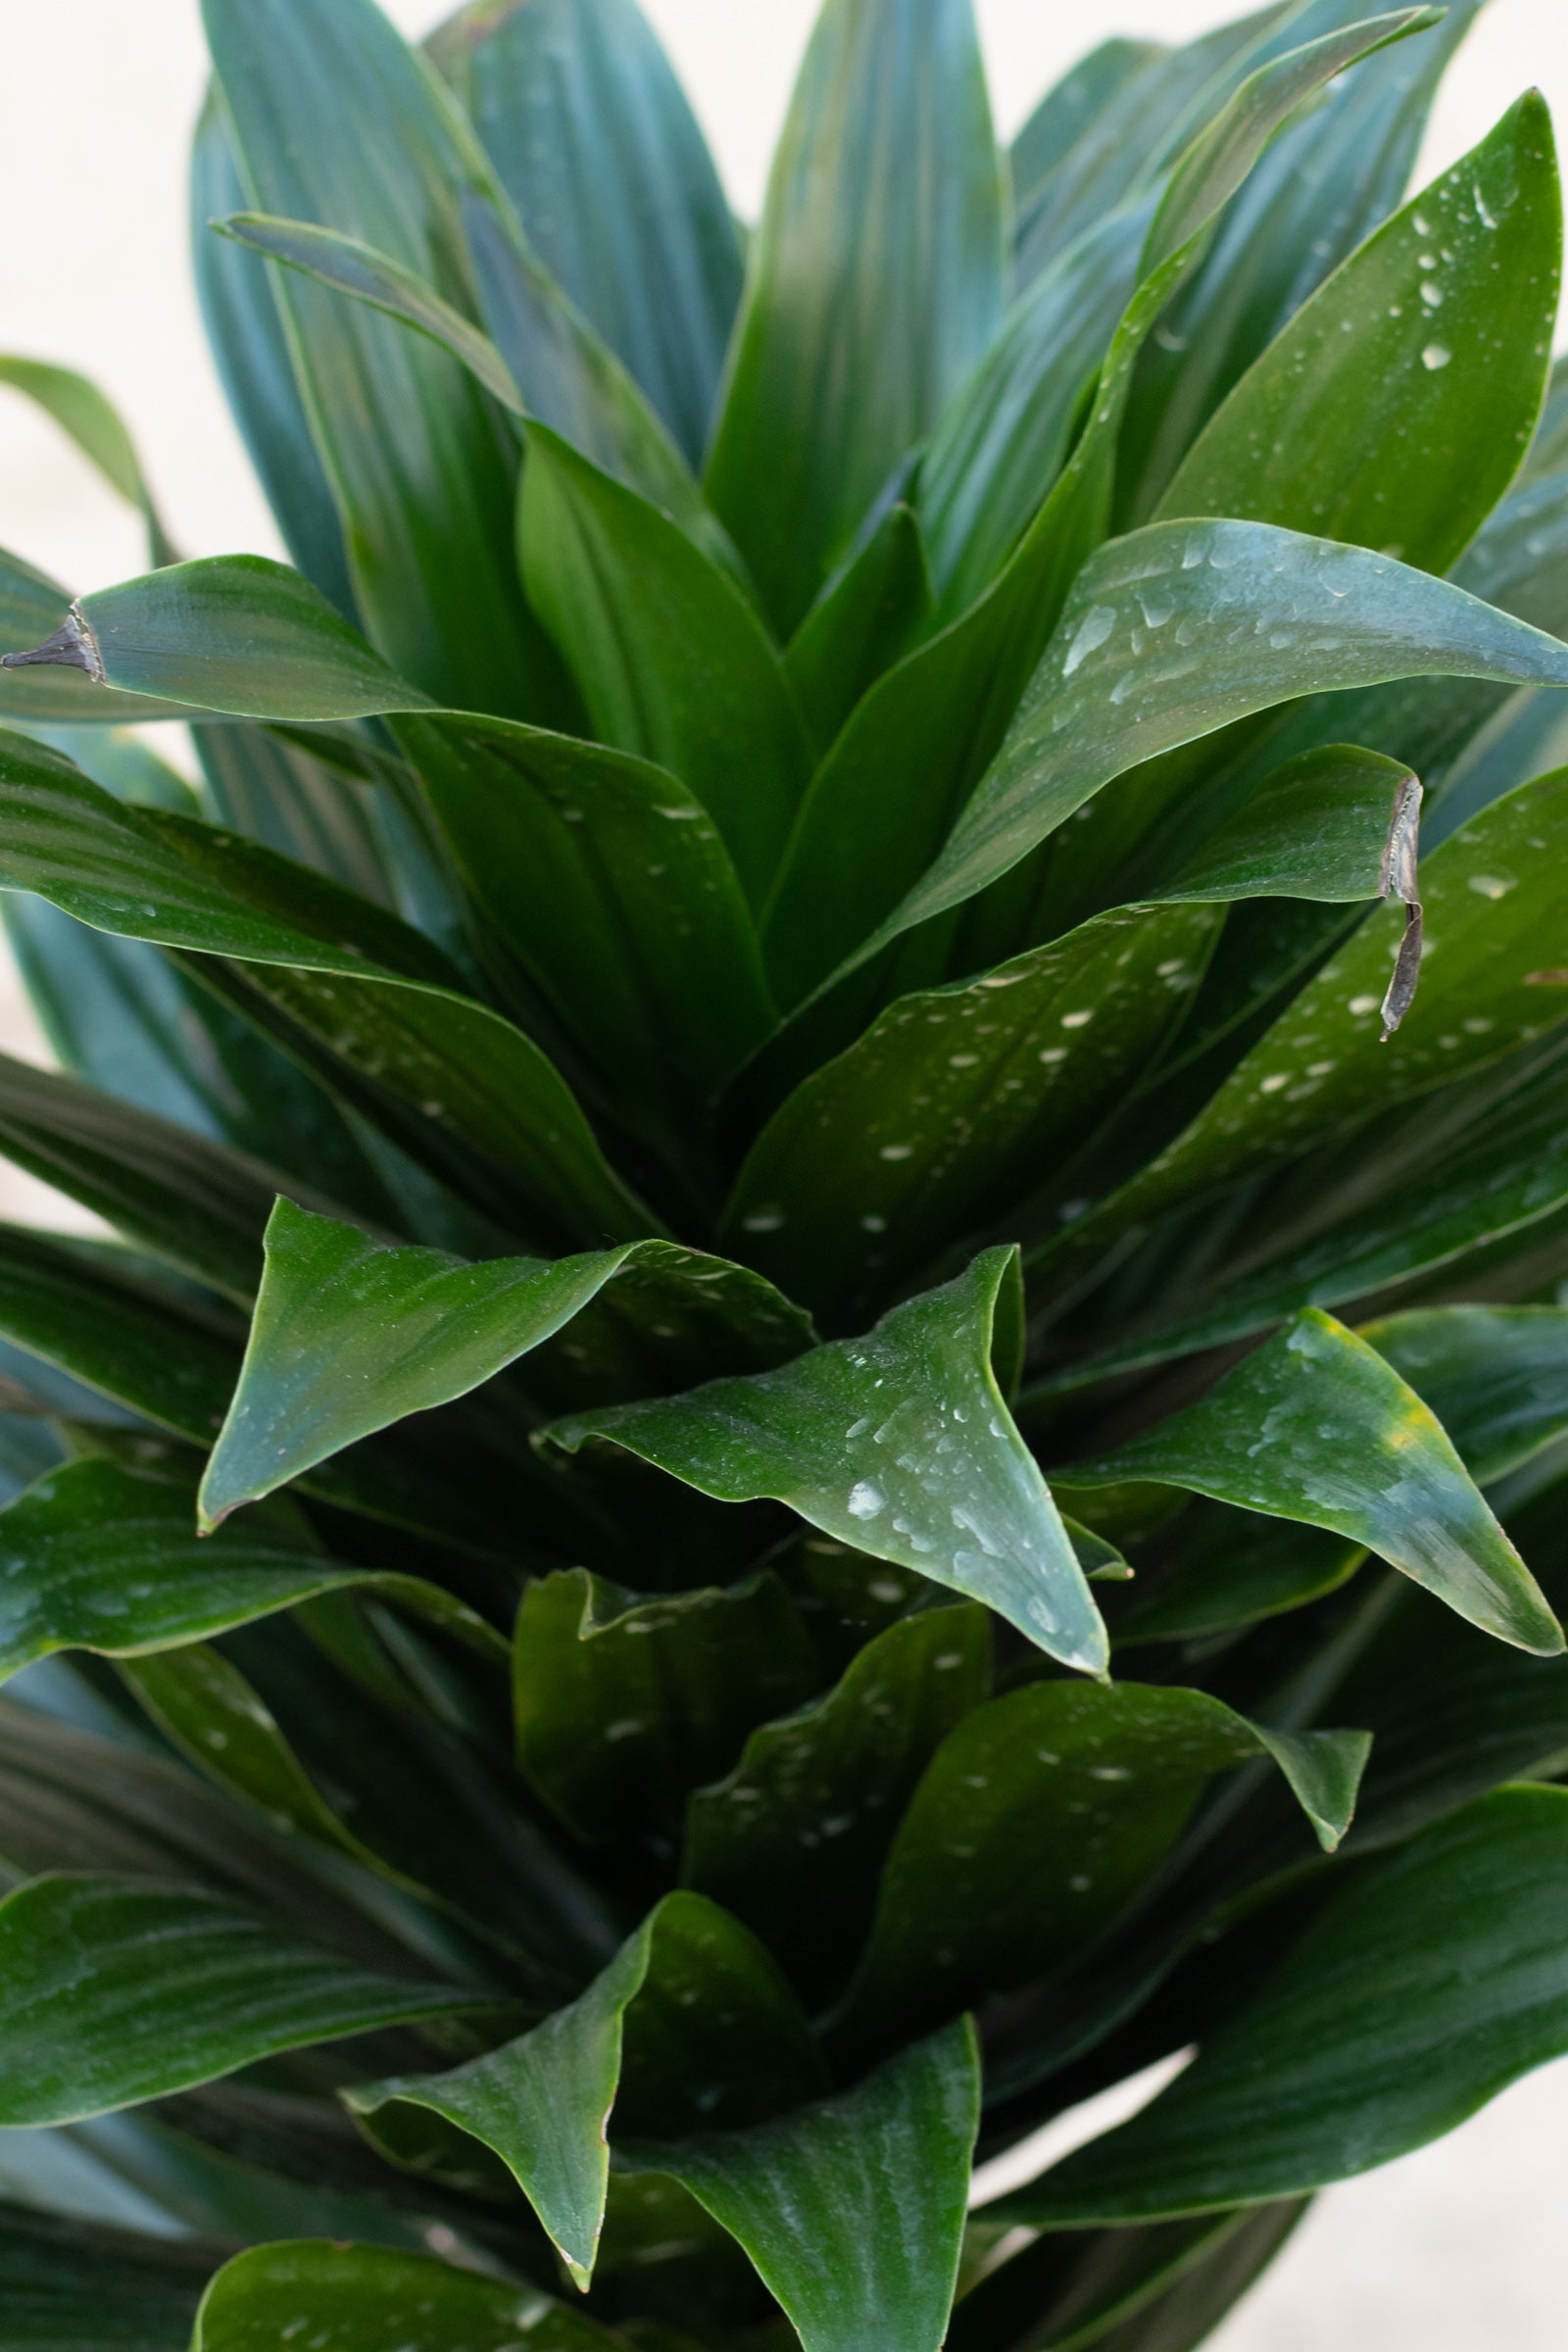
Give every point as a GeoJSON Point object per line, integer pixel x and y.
{"type": "Point", "coordinates": [1229, 1568]}
{"type": "Point", "coordinates": [67, 2286]}
{"type": "Point", "coordinates": [852, 2210]}
{"type": "Point", "coordinates": [671, 660]}
{"type": "Point", "coordinates": [691, 2022]}
{"type": "Point", "coordinates": [358, 2299]}
{"type": "Point", "coordinates": [793, 1841]}
{"type": "Point", "coordinates": [1350, 1447]}
{"type": "Point", "coordinates": [351, 1335]}
{"type": "Point", "coordinates": [118, 1992]}
{"type": "Point", "coordinates": [875, 284]}
{"type": "Point", "coordinates": [864, 619]}
{"type": "Point", "coordinates": [899, 1443]}
{"type": "Point", "coordinates": [336, 122]}
{"type": "Point", "coordinates": [624, 1703]}
{"type": "Point", "coordinates": [1433, 339]}
{"type": "Point", "coordinates": [1497, 1378]}
{"type": "Point", "coordinates": [592, 137]}
{"type": "Point", "coordinates": [276, 793]}
{"type": "Point", "coordinates": [1040, 1819]}
{"type": "Point", "coordinates": [1430, 1984]}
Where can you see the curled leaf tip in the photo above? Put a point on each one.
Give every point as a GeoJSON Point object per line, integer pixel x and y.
{"type": "Point", "coordinates": [72, 646]}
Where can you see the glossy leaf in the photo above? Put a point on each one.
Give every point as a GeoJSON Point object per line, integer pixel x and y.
{"type": "Point", "coordinates": [899, 1443]}
{"type": "Point", "coordinates": [671, 662]}
{"type": "Point", "coordinates": [876, 283]}
{"type": "Point", "coordinates": [1430, 1984]}
{"type": "Point", "coordinates": [592, 137]}
{"type": "Point", "coordinates": [1441, 368]}
{"type": "Point", "coordinates": [102, 1557]}
{"type": "Point", "coordinates": [792, 1839]}
{"type": "Point", "coordinates": [1038, 1822]}
{"type": "Point", "coordinates": [689, 2022]}
{"type": "Point", "coordinates": [624, 1704]}
{"type": "Point", "coordinates": [1351, 1448]}
{"type": "Point", "coordinates": [864, 619]}
{"type": "Point", "coordinates": [852, 2210]}
{"type": "Point", "coordinates": [335, 123]}
{"type": "Point", "coordinates": [1497, 1378]}
{"type": "Point", "coordinates": [419, 1328]}
{"type": "Point", "coordinates": [353, 2298]}
{"type": "Point", "coordinates": [118, 1992]}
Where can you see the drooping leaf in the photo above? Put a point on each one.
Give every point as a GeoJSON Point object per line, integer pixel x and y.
{"type": "Point", "coordinates": [671, 662]}
{"type": "Point", "coordinates": [355, 2298]}
{"type": "Point", "coordinates": [876, 283]}
{"type": "Point", "coordinates": [1434, 337]}
{"type": "Point", "coordinates": [793, 1838]}
{"type": "Point", "coordinates": [1039, 1820]}
{"type": "Point", "coordinates": [899, 1443]}
{"type": "Point", "coordinates": [691, 2020]}
{"type": "Point", "coordinates": [1350, 1447]}
{"type": "Point", "coordinates": [98, 430]}
{"type": "Point", "coordinates": [624, 1703]}
{"type": "Point", "coordinates": [419, 1328]}
{"type": "Point", "coordinates": [118, 1992]}
{"type": "Point", "coordinates": [593, 139]}
{"type": "Point", "coordinates": [1430, 1984]}
{"type": "Point", "coordinates": [852, 2209]}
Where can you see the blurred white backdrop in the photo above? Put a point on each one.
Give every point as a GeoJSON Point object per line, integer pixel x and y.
{"type": "Point", "coordinates": [1459, 2248]}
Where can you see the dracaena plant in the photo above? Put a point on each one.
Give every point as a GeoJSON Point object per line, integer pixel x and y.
{"type": "Point", "coordinates": [826, 1402]}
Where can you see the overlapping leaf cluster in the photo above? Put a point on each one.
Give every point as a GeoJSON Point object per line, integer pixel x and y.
{"type": "Point", "coordinates": [820, 1407]}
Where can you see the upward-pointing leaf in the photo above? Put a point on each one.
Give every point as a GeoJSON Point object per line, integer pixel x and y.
{"type": "Point", "coordinates": [899, 1443]}
{"type": "Point", "coordinates": [875, 284]}
{"type": "Point", "coordinates": [1349, 1447]}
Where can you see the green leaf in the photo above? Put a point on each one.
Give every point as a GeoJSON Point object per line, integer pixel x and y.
{"type": "Point", "coordinates": [142, 874]}
{"type": "Point", "coordinates": [304, 807]}
{"type": "Point", "coordinates": [249, 344]}
{"type": "Point", "coordinates": [67, 2286]}
{"type": "Point", "coordinates": [593, 139]}
{"type": "Point", "coordinates": [98, 430]}
{"type": "Point", "coordinates": [103, 1558]}
{"type": "Point", "coordinates": [877, 601]}
{"type": "Point", "coordinates": [793, 1840]}
{"type": "Point", "coordinates": [852, 2210]}
{"type": "Point", "coordinates": [1229, 1568]}
{"type": "Point", "coordinates": [1350, 1447]}
{"type": "Point", "coordinates": [1435, 1980]}
{"type": "Point", "coordinates": [671, 662]}
{"type": "Point", "coordinates": [337, 121]}
{"type": "Point", "coordinates": [356, 2298]}
{"type": "Point", "coordinates": [1004, 439]}
{"type": "Point", "coordinates": [1041, 1818]}
{"type": "Point", "coordinates": [1495, 1377]}
{"type": "Point", "coordinates": [351, 1335]}
{"type": "Point", "coordinates": [1434, 337]}
{"type": "Point", "coordinates": [691, 2022]}
{"type": "Point", "coordinates": [1330, 178]}
{"type": "Point", "coordinates": [624, 1704]}
{"type": "Point", "coordinates": [875, 284]}
{"type": "Point", "coordinates": [1118, 684]}
{"type": "Point", "coordinates": [899, 1443]}
{"type": "Point", "coordinates": [118, 1992]}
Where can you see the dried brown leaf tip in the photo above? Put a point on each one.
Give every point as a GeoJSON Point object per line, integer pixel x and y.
{"type": "Point", "coordinates": [1400, 879]}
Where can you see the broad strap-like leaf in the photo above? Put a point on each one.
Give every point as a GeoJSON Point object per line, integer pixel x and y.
{"type": "Point", "coordinates": [624, 1704]}
{"type": "Point", "coordinates": [865, 616]}
{"type": "Point", "coordinates": [899, 1443]}
{"type": "Point", "coordinates": [118, 1990]}
{"type": "Point", "coordinates": [356, 2298]}
{"type": "Point", "coordinates": [593, 139]}
{"type": "Point", "coordinates": [1496, 1377]}
{"type": "Point", "coordinates": [1427, 1986]}
{"type": "Point", "coordinates": [1432, 337]}
{"type": "Point", "coordinates": [1036, 1824]}
{"type": "Point", "coordinates": [97, 1555]}
{"type": "Point", "coordinates": [775, 1842]}
{"type": "Point", "coordinates": [852, 2209]}
{"type": "Point", "coordinates": [876, 283]}
{"type": "Point", "coordinates": [690, 2021]}
{"type": "Point", "coordinates": [671, 660]}
{"type": "Point", "coordinates": [1349, 1447]}
{"type": "Point", "coordinates": [73, 2285]}
{"type": "Point", "coordinates": [351, 1335]}
{"type": "Point", "coordinates": [337, 121]}
{"type": "Point", "coordinates": [327, 958]}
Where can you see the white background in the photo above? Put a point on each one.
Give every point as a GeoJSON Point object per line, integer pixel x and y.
{"type": "Point", "coordinates": [1461, 2248]}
